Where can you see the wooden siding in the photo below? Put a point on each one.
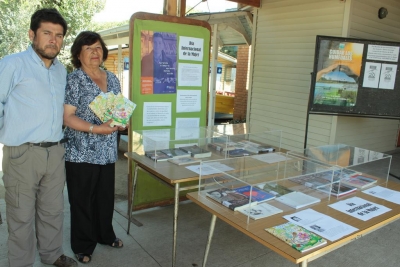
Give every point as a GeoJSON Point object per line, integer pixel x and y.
{"type": "Point", "coordinates": [283, 61]}
{"type": "Point", "coordinates": [371, 133]}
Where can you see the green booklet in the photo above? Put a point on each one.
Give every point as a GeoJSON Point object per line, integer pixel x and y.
{"type": "Point", "coordinates": [296, 236]}
{"type": "Point", "coordinates": [274, 188]}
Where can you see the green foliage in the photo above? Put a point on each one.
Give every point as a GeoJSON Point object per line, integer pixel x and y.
{"type": "Point", "coordinates": [229, 50]}
{"type": "Point", "coordinates": [15, 19]}
{"type": "Point", "coordinates": [14, 24]}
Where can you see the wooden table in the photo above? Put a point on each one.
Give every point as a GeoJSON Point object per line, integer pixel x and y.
{"type": "Point", "coordinates": [171, 175]}
{"type": "Point", "coordinates": [256, 231]}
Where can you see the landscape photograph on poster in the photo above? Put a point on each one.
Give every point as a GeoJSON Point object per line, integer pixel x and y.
{"type": "Point", "coordinates": [339, 68]}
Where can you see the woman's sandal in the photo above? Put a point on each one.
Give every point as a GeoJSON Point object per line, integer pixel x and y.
{"type": "Point", "coordinates": [117, 243]}
{"type": "Point", "coordinates": [81, 257]}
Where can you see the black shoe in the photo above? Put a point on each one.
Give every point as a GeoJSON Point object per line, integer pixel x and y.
{"type": "Point", "coordinates": [84, 258]}
{"type": "Point", "coordinates": [64, 261]}
{"type": "Point", "coordinates": [117, 243]}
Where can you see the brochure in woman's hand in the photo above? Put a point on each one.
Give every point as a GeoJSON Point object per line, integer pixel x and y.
{"type": "Point", "coordinates": [108, 106]}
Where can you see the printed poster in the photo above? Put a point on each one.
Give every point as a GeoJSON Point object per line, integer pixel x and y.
{"type": "Point", "coordinates": [339, 67]}
{"type": "Point", "coordinates": [158, 62]}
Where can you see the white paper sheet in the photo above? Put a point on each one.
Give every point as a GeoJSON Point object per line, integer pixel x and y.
{"type": "Point", "coordinates": [187, 128]}
{"type": "Point", "coordinates": [156, 139]}
{"type": "Point", "coordinates": [359, 208]}
{"type": "Point", "coordinates": [371, 74]}
{"type": "Point", "coordinates": [321, 224]}
{"type": "Point", "coordinates": [209, 168]}
{"type": "Point", "coordinates": [188, 101]}
{"type": "Point", "coordinates": [157, 114]}
{"type": "Point", "coordinates": [191, 48]}
{"type": "Point", "coordinates": [190, 74]}
{"type": "Point", "coordinates": [270, 157]}
{"type": "Point", "coordinates": [388, 76]}
{"type": "Point", "coordinates": [384, 193]}
{"type": "Point", "coordinates": [383, 53]}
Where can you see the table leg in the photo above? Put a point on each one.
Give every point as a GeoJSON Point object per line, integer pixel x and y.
{"type": "Point", "coordinates": [210, 235]}
{"type": "Point", "coordinates": [132, 197]}
{"type": "Point", "coordinates": [176, 206]}
{"type": "Point", "coordinates": [303, 264]}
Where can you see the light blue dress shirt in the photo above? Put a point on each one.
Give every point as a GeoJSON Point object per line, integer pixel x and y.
{"type": "Point", "coordinates": [31, 99]}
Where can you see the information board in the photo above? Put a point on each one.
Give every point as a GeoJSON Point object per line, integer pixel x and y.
{"type": "Point", "coordinates": [169, 74]}
{"type": "Point", "coordinates": [355, 77]}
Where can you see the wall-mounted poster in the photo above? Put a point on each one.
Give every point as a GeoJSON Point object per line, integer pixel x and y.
{"type": "Point", "coordinates": [355, 77]}
{"type": "Point", "coordinates": [158, 64]}
{"type": "Point", "coordinates": [339, 68]}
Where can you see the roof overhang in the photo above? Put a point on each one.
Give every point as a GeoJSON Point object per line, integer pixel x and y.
{"type": "Point", "coordinates": [234, 28]}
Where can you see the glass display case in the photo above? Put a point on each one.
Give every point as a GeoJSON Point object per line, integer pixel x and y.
{"type": "Point", "coordinates": [256, 187]}
{"type": "Point", "coordinates": [178, 145]}
{"type": "Point", "coordinates": [244, 143]}
{"type": "Point", "coordinates": [354, 166]}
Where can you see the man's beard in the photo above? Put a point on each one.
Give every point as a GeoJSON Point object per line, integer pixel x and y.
{"type": "Point", "coordinates": [43, 53]}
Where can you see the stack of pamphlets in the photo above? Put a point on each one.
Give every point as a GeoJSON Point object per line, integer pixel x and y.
{"type": "Point", "coordinates": [108, 106]}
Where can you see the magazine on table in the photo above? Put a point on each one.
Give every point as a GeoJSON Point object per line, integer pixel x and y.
{"type": "Point", "coordinates": [297, 237]}
{"type": "Point", "coordinates": [255, 193]}
{"type": "Point", "coordinates": [229, 198]}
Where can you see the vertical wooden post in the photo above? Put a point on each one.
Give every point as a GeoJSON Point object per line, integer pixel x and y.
{"type": "Point", "coordinates": [182, 9]}
{"type": "Point", "coordinates": [174, 8]}
{"type": "Point", "coordinates": [170, 7]}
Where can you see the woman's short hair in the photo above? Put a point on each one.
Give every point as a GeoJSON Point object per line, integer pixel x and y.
{"type": "Point", "coordinates": [86, 38]}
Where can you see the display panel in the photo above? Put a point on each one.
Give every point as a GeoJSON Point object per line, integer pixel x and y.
{"type": "Point", "coordinates": [355, 77]}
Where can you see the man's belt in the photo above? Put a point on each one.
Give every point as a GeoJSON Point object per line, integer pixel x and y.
{"type": "Point", "coordinates": [48, 144]}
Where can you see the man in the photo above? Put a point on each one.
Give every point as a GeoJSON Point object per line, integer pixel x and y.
{"type": "Point", "coordinates": [159, 66]}
{"type": "Point", "coordinates": [31, 116]}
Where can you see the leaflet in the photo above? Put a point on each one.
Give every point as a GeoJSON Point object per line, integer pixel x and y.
{"type": "Point", "coordinates": [384, 193]}
{"type": "Point", "coordinates": [321, 224]}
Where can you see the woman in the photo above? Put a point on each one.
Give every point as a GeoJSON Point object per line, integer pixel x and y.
{"type": "Point", "coordinates": [91, 150]}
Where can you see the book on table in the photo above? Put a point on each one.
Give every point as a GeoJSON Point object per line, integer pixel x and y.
{"type": "Point", "coordinates": [297, 237]}
{"type": "Point", "coordinates": [220, 147]}
{"type": "Point", "coordinates": [275, 189]}
{"type": "Point", "coordinates": [184, 160]}
{"type": "Point", "coordinates": [156, 155]}
{"type": "Point", "coordinates": [259, 211]}
{"type": "Point", "coordinates": [338, 189]}
{"type": "Point", "coordinates": [229, 198]}
{"type": "Point", "coordinates": [254, 147]}
{"type": "Point", "coordinates": [255, 193]}
{"type": "Point", "coordinates": [297, 200]}
{"type": "Point", "coordinates": [239, 152]}
{"type": "Point", "coordinates": [196, 151]}
{"type": "Point", "coordinates": [311, 180]}
{"type": "Point", "coordinates": [359, 181]}
{"type": "Point", "coordinates": [175, 153]}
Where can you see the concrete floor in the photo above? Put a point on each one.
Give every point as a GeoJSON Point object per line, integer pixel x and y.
{"type": "Point", "coordinates": [151, 244]}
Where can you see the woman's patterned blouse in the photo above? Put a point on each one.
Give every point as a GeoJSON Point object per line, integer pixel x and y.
{"type": "Point", "coordinates": [83, 146]}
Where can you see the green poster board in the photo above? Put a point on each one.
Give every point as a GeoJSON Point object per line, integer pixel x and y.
{"type": "Point", "coordinates": [169, 64]}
